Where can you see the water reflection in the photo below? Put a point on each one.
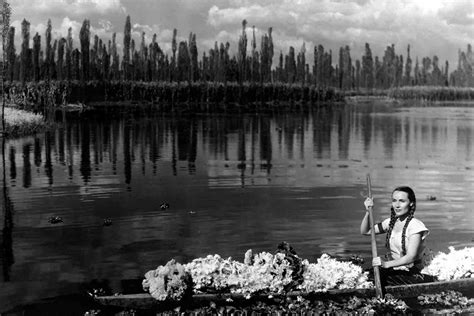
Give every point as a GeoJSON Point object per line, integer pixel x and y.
{"type": "Point", "coordinates": [233, 182]}
{"type": "Point", "coordinates": [7, 207]}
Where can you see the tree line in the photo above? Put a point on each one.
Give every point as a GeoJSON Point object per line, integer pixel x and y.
{"type": "Point", "coordinates": [99, 60]}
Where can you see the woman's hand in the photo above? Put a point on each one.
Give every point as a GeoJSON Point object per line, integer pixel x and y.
{"type": "Point", "coordinates": [369, 202]}
{"type": "Point", "coordinates": [378, 262]}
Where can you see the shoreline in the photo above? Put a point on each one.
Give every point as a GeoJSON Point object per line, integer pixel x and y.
{"type": "Point", "coordinates": [220, 98]}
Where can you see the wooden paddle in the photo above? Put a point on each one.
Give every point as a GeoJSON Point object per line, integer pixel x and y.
{"type": "Point", "coordinates": [378, 284]}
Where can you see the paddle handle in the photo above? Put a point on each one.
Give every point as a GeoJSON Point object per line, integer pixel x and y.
{"type": "Point", "coordinates": [378, 284]}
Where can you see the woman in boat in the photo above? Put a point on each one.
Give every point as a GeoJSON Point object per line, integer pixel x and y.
{"type": "Point", "coordinates": [405, 240]}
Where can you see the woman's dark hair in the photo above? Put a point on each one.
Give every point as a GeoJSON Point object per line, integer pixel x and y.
{"type": "Point", "coordinates": [411, 212]}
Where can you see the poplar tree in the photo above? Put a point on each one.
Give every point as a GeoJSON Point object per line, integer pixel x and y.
{"type": "Point", "coordinates": [446, 74]}
{"type": "Point", "coordinates": [115, 59]}
{"type": "Point", "coordinates": [254, 61]}
{"type": "Point", "coordinates": [47, 53]}
{"type": "Point", "coordinates": [52, 62]}
{"type": "Point", "coordinates": [36, 57]}
{"type": "Point", "coordinates": [61, 45]}
{"type": "Point", "coordinates": [127, 35]}
{"type": "Point", "coordinates": [84, 37]}
{"type": "Point", "coordinates": [279, 69]}
{"type": "Point", "coordinates": [11, 53]}
{"type": "Point", "coordinates": [290, 65]}
{"type": "Point", "coordinates": [93, 59]}
{"type": "Point", "coordinates": [155, 58]}
{"type": "Point", "coordinates": [25, 46]}
{"type": "Point", "coordinates": [367, 72]}
{"type": "Point", "coordinates": [183, 62]}
{"type": "Point", "coordinates": [319, 66]}
{"type": "Point", "coordinates": [76, 60]}
{"type": "Point", "coordinates": [242, 52]}
{"type": "Point", "coordinates": [301, 64]}
{"type": "Point", "coordinates": [388, 71]}
{"type": "Point", "coordinates": [346, 68]}
{"type": "Point", "coordinates": [425, 70]}
{"type": "Point", "coordinates": [357, 75]}
{"type": "Point", "coordinates": [193, 53]}
{"type": "Point", "coordinates": [416, 73]}
{"type": "Point", "coordinates": [266, 56]}
{"type": "Point", "coordinates": [407, 77]}
{"type": "Point", "coordinates": [378, 73]}
{"type": "Point", "coordinates": [436, 74]}
{"type": "Point", "coordinates": [174, 47]}
{"type": "Point", "coordinates": [69, 48]}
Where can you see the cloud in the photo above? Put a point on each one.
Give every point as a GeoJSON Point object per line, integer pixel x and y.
{"type": "Point", "coordinates": [460, 12]}
{"type": "Point", "coordinates": [67, 7]}
{"type": "Point", "coordinates": [438, 24]}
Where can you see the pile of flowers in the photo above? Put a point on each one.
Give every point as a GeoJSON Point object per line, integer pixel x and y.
{"type": "Point", "coordinates": [457, 264]}
{"type": "Point", "coordinates": [214, 273]}
{"type": "Point", "coordinates": [168, 282]}
{"type": "Point", "coordinates": [329, 273]}
{"type": "Point", "coordinates": [267, 272]}
{"type": "Point", "coordinates": [262, 273]}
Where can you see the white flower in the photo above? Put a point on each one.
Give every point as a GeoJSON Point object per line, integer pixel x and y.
{"type": "Point", "coordinates": [456, 264]}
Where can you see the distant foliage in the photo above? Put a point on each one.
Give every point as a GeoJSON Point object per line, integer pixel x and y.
{"type": "Point", "coordinates": [99, 60]}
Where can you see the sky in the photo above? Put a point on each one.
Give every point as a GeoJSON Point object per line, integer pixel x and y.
{"type": "Point", "coordinates": [430, 27]}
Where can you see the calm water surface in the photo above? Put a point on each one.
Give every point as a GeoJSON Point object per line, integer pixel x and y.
{"type": "Point", "coordinates": [233, 182]}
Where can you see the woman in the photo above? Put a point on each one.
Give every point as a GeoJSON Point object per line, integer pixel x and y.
{"type": "Point", "coordinates": [405, 240]}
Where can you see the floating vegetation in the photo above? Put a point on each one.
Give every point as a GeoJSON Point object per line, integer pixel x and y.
{"type": "Point", "coordinates": [164, 206]}
{"type": "Point", "coordinates": [450, 299]}
{"type": "Point", "coordinates": [107, 222]}
{"type": "Point", "coordinates": [302, 306]}
{"type": "Point", "coordinates": [55, 219]}
{"type": "Point", "coordinates": [19, 122]}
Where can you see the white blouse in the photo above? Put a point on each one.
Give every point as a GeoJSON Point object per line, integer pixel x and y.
{"type": "Point", "coordinates": [414, 227]}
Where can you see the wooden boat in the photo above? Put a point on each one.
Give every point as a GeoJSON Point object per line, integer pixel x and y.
{"type": "Point", "coordinates": [146, 301]}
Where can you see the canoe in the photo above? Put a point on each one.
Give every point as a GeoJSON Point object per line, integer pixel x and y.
{"type": "Point", "coordinates": [146, 301]}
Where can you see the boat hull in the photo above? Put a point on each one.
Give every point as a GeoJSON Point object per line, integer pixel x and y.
{"type": "Point", "coordinates": [146, 301]}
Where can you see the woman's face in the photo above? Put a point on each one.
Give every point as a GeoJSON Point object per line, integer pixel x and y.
{"type": "Point", "coordinates": [400, 203]}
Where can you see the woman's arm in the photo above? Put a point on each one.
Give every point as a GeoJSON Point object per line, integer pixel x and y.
{"type": "Point", "coordinates": [414, 242]}
{"type": "Point", "coordinates": [365, 224]}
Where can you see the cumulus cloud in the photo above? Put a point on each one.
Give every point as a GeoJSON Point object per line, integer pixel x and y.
{"type": "Point", "coordinates": [435, 23]}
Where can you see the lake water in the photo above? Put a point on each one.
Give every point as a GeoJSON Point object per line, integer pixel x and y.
{"type": "Point", "coordinates": [232, 182]}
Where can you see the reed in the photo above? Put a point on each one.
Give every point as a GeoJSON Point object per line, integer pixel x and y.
{"type": "Point", "coordinates": [196, 96]}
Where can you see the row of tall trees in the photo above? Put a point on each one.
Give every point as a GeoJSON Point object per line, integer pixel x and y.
{"type": "Point", "coordinates": [95, 59]}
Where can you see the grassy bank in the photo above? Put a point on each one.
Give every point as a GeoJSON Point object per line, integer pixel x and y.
{"type": "Point", "coordinates": [432, 93]}
{"type": "Point", "coordinates": [19, 122]}
{"type": "Point", "coordinates": [425, 93]}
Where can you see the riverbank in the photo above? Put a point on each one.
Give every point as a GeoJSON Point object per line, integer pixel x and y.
{"type": "Point", "coordinates": [195, 97]}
